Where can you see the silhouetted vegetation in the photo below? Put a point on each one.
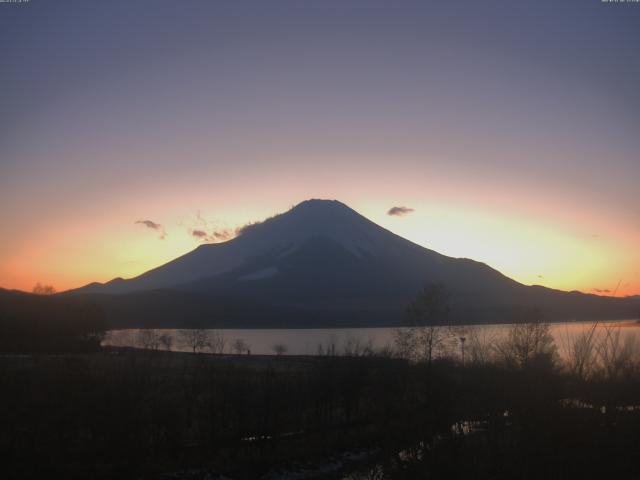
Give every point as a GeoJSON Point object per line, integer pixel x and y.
{"type": "Point", "coordinates": [515, 406]}
{"type": "Point", "coordinates": [40, 289]}
{"type": "Point", "coordinates": [513, 409]}
{"type": "Point", "coordinates": [43, 323]}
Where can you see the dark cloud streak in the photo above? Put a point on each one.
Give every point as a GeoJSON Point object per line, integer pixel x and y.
{"type": "Point", "coordinates": [199, 234]}
{"type": "Point", "coordinates": [153, 226]}
{"type": "Point", "coordinates": [220, 235]}
{"type": "Point", "coordinates": [602, 290]}
{"type": "Point", "coordinates": [213, 237]}
{"type": "Point", "coordinates": [399, 211]}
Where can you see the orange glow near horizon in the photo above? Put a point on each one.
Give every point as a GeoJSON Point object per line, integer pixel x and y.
{"type": "Point", "coordinates": [550, 254]}
{"type": "Point", "coordinates": [512, 145]}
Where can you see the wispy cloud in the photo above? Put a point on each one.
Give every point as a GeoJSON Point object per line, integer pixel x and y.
{"type": "Point", "coordinates": [205, 231]}
{"type": "Point", "coordinates": [208, 231]}
{"type": "Point", "coordinates": [399, 211]}
{"type": "Point", "coordinates": [201, 234]}
{"type": "Point", "coordinates": [214, 236]}
{"type": "Point", "coordinates": [153, 226]}
{"type": "Point", "coordinates": [602, 290]}
{"type": "Point", "coordinates": [223, 235]}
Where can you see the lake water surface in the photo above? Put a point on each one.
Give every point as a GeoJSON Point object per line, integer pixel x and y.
{"type": "Point", "coordinates": [310, 341]}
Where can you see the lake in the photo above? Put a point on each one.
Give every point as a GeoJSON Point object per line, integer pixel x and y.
{"type": "Point", "coordinates": [310, 341]}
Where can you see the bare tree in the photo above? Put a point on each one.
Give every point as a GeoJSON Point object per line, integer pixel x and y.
{"type": "Point", "coordinates": [479, 346]}
{"type": "Point", "coordinates": [615, 353]}
{"type": "Point", "coordinates": [428, 314]}
{"type": "Point", "coordinates": [40, 289]}
{"type": "Point", "coordinates": [430, 341]}
{"type": "Point", "coordinates": [279, 349]}
{"type": "Point", "coordinates": [453, 340]}
{"type": "Point", "coordinates": [166, 340]}
{"type": "Point", "coordinates": [580, 353]}
{"type": "Point", "coordinates": [356, 347]}
{"type": "Point", "coordinates": [148, 339]}
{"type": "Point", "coordinates": [197, 339]}
{"type": "Point", "coordinates": [527, 341]}
{"type": "Point", "coordinates": [239, 346]}
{"type": "Point", "coordinates": [406, 342]}
{"type": "Point", "coordinates": [217, 342]}
{"type": "Point", "coordinates": [328, 348]}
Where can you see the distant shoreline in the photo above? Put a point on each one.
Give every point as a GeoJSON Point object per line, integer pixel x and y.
{"type": "Point", "coordinates": [621, 323]}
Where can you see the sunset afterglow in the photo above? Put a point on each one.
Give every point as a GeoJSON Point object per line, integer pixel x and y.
{"type": "Point", "coordinates": [513, 138]}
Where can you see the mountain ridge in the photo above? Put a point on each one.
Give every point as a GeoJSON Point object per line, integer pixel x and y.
{"type": "Point", "coordinates": [359, 246]}
{"type": "Point", "coordinates": [322, 256]}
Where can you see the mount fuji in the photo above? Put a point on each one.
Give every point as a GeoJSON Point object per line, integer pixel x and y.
{"type": "Point", "coordinates": [321, 264]}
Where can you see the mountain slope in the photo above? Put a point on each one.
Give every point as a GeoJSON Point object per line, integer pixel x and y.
{"type": "Point", "coordinates": [322, 263]}
{"type": "Point", "coordinates": [315, 234]}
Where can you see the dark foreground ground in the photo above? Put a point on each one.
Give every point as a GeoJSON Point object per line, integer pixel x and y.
{"type": "Point", "coordinates": [127, 414]}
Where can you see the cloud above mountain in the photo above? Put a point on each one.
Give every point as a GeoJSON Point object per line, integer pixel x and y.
{"type": "Point", "coordinates": [200, 234]}
{"type": "Point", "coordinates": [223, 234]}
{"type": "Point", "coordinates": [215, 236]}
{"type": "Point", "coordinates": [399, 211]}
{"type": "Point", "coordinates": [208, 231]}
{"type": "Point", "coordinates": [153, 226]}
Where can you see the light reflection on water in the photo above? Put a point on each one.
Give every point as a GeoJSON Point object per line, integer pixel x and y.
{"type": "Point", "coordinates": [309, 341]}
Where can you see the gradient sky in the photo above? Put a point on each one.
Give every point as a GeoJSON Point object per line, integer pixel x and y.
{"type": "Point", "coordinates": [512, 128]}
